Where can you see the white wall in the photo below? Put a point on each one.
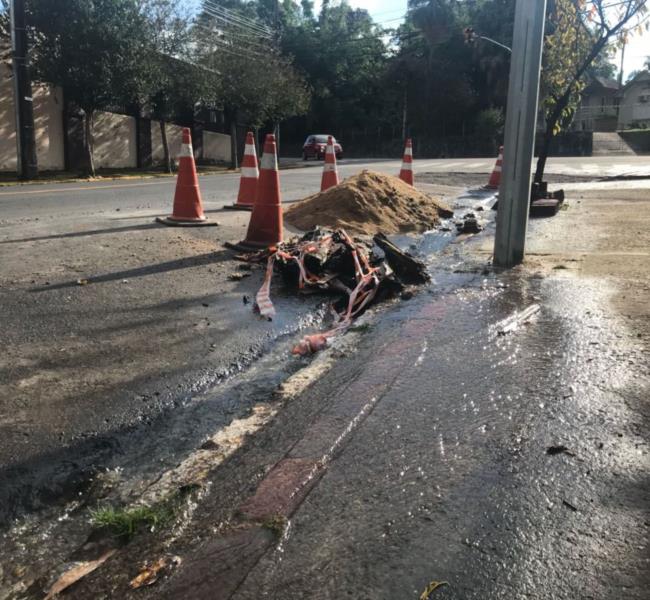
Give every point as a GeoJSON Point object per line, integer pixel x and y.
{"type": "Point", "coordinates": [48, 125]}
{"type": "Point", "coordinates": [174, 139]}
{"type": "Point", "coordinates": [216, 147]}
{"type": "Point", "coordinates": [115, 136]}
{"type": "Point", "coordinates": [7, 121]}
{"type": "Point", "coordinates": [115, 143]}
{"type": "Point", "coordinates": [632, 109]}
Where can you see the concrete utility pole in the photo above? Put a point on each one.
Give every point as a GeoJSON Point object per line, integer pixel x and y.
{"type": "Point", "coordinates": [25, 138]}
{"type": "Point", "coordinates": [519, 141]}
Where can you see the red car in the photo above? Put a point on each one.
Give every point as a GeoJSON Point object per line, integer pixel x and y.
{"type": "Point", "coordinates": [315, 145]}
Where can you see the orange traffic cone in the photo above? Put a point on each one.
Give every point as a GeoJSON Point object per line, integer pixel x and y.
{"type": "Point", "coordinates": [495, 178]}
{"type": "Point", "coordinates": [188, 209]}
{"type": "Point", "coordinates": [330, 174]}
{"type": "Point", "coordinates": [249, 176]}
{"type": "Point", "coordinates": [265, 226]}
{"type": "Point", "coordinates": [406, 173]}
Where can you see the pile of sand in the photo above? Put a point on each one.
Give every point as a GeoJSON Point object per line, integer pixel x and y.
{"type": "Point", "coordinates": [367, 204]}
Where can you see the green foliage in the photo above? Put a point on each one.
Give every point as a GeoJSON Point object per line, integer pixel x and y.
{"type": "Point", "coordinates": [489, 123]}
{"type": "Point", "coordinates": [346, 74]}
{"type": "Point", "coordinates": [96, 51]}
{"type": "Point", "coordinates": [251, 78]}
{"type": "Point", "coordinates": [565, 47]}
{"type": "Point", "coordinates": [342, 59]}
{"type": "Point", "coordinates": [126, 522]}
{"type": "Point", "coordinates": [175, 83]}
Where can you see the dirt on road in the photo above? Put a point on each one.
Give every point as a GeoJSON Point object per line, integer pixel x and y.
{"type": "Point", "coordinates": [369, 203]}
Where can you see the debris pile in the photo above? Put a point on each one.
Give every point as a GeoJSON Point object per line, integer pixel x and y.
{"type": "Point", "coordinates": [368, 203]}
{"type": "Point", "coordinates": [469, 224]}
{"type": "Point", "coordinates": [331, 261]}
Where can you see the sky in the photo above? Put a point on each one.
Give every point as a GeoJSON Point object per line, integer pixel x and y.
{"type": "Point", "coordinates": [636, 51]}
{"type": "Point", "coordinates": [380, 10]}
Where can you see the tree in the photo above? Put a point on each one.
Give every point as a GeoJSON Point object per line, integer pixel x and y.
{"type": "Point", "coordinates": [95, 51]}
{"type": "Point", "coordinates": [439, 69]}
{"type": "Point", "coordinates": [343, 58]}
{"type": "Point", "coordinates": [175, 83]}
{"type": "Point", "coordinates": [579, 31]}
{"type": "Point", "coordinates": [254, 81]}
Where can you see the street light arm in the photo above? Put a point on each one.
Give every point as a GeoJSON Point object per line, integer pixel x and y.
{"type": "Point", "coordinates": [487, 39]}
{"type": "Point", "coordinates": [471, 36]}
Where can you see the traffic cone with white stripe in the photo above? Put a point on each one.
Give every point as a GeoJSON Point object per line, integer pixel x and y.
{"type": "Point", "coordinates": [406, 173]}
{"type": "Point", "coordinates": [188, 208]}
{"type": "Point", "coordinates": [265, 226]}
{"type": "Point", "coordinates": [495, 177]}
{"type": "Point", "coordinates": [330, 174]}
{"type": "Point", "coordinates": [249, 176]}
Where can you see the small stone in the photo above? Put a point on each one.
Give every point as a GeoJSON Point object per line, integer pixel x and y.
{"type": "Point", "coordinates": [209, 445]}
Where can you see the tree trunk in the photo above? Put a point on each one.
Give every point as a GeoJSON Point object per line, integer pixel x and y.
{"type": "Point", "coordinates": [88, 140]}
{"type": "Point", "coordinates": [233, 143]}
{"type": "Point", "coordinates": [562, 103]}
{"type": "Point", "coordinates": [543, 154]}
{"type": "Point", "coordinates": [165, 145]}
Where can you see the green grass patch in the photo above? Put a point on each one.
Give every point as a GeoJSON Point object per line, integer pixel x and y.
{"type": "Point", "coordinates": [276, 523]}
{"type": "Point", "coordinates": [126, 522]}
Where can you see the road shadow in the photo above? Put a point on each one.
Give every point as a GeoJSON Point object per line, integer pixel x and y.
{"type": "Point", "coordinates": [164, 267]}
{"type": "Point", "coordinates": [75, 234]}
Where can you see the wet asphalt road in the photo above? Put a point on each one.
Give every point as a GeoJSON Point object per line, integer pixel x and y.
{"type": "Point", "coordinates": [450, 477]}
{"type": "Point", "coordinates": [508, 466]}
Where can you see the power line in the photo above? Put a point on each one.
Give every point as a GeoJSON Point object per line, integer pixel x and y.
{"type": "Point", "coordinates": [235, 16]}
{"type": "Point", "coordinates": [215, 9]}
{"type": "Point", "coordinates": [227, 22]}
{"type": "Point", "coordinates": [236, 38]}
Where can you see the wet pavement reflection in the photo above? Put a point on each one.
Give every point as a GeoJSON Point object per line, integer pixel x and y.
{"type": "Point", "coordinates": [450, 475]}
{"type": "Point", "coordinates": [449, 478]}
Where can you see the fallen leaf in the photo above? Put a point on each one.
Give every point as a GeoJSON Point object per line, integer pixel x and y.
{"type": "Point", "coordinates": [76, 573]}
{"type": "Point", "coordinates": [432, 587]}
{"type": "Point", "coordinates": [149, 573]}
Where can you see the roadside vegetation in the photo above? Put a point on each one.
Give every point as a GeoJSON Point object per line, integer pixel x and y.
{"type": "Point", "coordinates": [127, 522]}
{"type": "Point", "coordinates": [259, 63]}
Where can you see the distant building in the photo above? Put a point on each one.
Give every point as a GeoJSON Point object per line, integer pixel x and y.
{"type": "Point", "coordinates": [598, 109]}
{"type": "Point", "coordinates": [634, 110]}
